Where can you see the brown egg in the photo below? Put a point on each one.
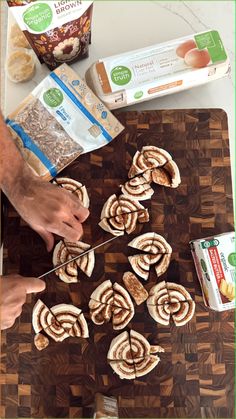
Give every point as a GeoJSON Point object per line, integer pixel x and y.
{"type": "Point", "coordinates": [185, 47]}
{"type": "Point", "coordinates": [197, 58]}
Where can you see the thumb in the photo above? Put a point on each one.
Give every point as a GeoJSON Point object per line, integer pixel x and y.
{"type": "Point", "coordinates": [33, 285]}
{"type": "Point", "coordinates": [47, 237]}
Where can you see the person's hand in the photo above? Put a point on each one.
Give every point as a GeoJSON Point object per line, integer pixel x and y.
{"type": "Point", "coordinates": [45, 207]}
{"type": "Point", "coordinates": [13, 291]}
{"type": "Point", "coordinates": [49, 209]}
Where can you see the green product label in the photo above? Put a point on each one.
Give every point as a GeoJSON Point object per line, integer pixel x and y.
{"type": "Point", "coordinates": [38, 17]}
{"type": "Point", "coordinates": [121, 75]}
{"type": "Point", "coordinates": [232, 259]}
{"type": "Point", "coordinates": [53, 97]}
{"type": "Point", "coordinates": [203, 265]}
{"type": "Point", "coordinates": [212, 42]}
{"type": "Point", "coordinates": [138, 95]}
{"type": "Point", "coordinates": [209, 243]}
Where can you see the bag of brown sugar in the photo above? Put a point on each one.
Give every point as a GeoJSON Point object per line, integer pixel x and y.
{"type": "Point", "coordinates": [58, 121]}
{"type": "Point", "coordinates": [58, 31]}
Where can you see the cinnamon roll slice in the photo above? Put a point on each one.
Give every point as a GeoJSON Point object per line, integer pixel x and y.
{"type": "Point", "coordinates": [168, 299]}
{"type": "Point", "coordinates": [130, 355]}
{"type": "Point", "coordinates": [103, 293]}
{"type": "Point", "coordinates": [75, 187]}
{"type": "Point", "coordinates": [151, 242]}
{"type": "Point", "coordinates": [155, 156]}
{"type": "Point", "coordinates": [167, 175]}
{"type": "Point", "coordinates": [135, 288]}
{"type": "Point", "coordinates": [111, 302]}
{"type": "Point", "coordinates": [41, 317]}
{"type": "Point", "coordinates": [138, 189]}
{"type": "Point", "coordinates": [65, 251]}
{"type": "Point", "coordinates": [124, 369]}
{"type": "Point", "coordinates": [141, 264]}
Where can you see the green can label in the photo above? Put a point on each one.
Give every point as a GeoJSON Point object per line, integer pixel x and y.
{"type": "Point", "coordinates": [53, 97]}
{"type": "Point", "coordinates": [38, 17]}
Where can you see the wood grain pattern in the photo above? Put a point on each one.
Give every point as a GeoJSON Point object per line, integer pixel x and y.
{"type": "Point", "coordinates": [195, 375]}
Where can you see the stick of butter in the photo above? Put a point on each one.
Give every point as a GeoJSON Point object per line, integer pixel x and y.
{"type": "Point", "coordinates": [215, 262]}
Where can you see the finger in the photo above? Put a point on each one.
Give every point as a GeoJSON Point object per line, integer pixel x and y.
{"type": "Point", "coordinates": [47, 237]}
{"type": "Point", "coordinates": [18, 312]}
{"type": "Point", "coordinates": [79, 210]}
{"type": "Point", "coordinates": [75, 224]}
{"type": "Point", "coordinates": [69, 233]}
{"type": "Point", "coordinates": [8, 324]}
{"type": "Point", "coordinates": [33, 285]}
{"type": "Point", "coordinates": [81, 213]}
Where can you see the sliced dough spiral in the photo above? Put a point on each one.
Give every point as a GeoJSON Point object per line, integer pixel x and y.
{"type": "Point", "coordinates": [111, 208]}
{"type": "Point", "coordinates": [120, 348]}
{"type": "Point", "coordinates": [41, 317]}
{"type": "Point", "coordinates": [137, 188]}
{"type": "Point", "coordinates": [75, 187]}
{"type": "Point", "coordinates": [151, 243]}
{"type": "Point", "coordinates": [65, 251]}
{"type": "Point", "coordinates": [59, 322]}
{"type": "Point", "coordinates": [140, 264]}
{"type": "Point", "coordinates": [103, 293]}
{"type": "Point", "coordinates": [168, 175]}
{"type": "Point", "coordinates": [158, 295]}
{"type": "Point", "coordinates": [184, 313]}
{"type": "Point", "coordinates": [121, 214]}
{"type": "Point", "coordinates": [149, 158]}
{"type": "Point", "coordinates": [178, 292]}
{"type": "Point", "coordinates": [143, 242]}
{"type": "Point", "coordinates": [130, 355]}
{"type": "Point", "coordinates": [111, 301]}
{"type": "Point", "coordinates": [168, 299]}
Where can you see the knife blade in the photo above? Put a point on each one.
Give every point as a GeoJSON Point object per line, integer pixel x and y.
{"type": "Point", "coordinates": [78, 256]}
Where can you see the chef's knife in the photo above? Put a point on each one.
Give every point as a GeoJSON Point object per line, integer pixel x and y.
{"type": "Point", "coordinates": [77, 257]}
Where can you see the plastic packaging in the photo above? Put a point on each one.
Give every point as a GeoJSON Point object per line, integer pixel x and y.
{"type": "Point", "coordinates": [60, 120]}
{"type": "Point", "coordinates": [58, 31]}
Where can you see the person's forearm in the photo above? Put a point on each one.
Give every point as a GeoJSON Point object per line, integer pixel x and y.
{"type": "Point", "coordinates": [13, 168]}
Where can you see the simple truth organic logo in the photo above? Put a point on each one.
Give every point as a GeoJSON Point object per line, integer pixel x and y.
{"type": "Point", "coordinates": [121, 75]}
{"type": "Point", "coordinates": [38, 17]}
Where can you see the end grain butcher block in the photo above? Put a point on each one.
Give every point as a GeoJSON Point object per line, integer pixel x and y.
{"type": "Point", "coordinates": [195, 375]}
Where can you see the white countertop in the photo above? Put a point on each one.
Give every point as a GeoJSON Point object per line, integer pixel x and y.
{"type": "Point", "coordinates": [120, 26]}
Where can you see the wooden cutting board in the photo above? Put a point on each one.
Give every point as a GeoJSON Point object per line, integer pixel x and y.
{"type": "Point", "coordinates": [195, 376]}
